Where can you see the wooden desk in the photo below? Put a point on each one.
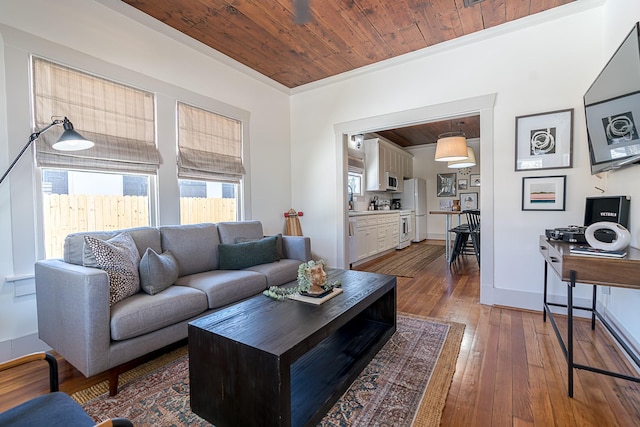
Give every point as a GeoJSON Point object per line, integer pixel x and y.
{"type": "Point", "coordinates": [447, 238]}
{"type": "Point", "coordinates": [594, 271]}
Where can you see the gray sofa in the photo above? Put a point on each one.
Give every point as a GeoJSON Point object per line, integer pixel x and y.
{"type": "Point", "coordinates": [73, 300]}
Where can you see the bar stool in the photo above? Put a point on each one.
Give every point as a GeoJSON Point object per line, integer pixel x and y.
{"type": "Point", "coordinates": [467, 239]}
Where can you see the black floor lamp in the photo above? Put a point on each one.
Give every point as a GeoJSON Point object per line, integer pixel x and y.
{"type": "Point", "coordinates": [70, 140]}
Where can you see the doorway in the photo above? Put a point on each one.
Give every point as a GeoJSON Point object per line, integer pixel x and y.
{"type": "Point", "coordinates": [482, 105]}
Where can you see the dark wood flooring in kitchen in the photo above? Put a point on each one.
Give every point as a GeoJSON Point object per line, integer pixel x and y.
{"type": "Point", "coordinates": [510, 371]}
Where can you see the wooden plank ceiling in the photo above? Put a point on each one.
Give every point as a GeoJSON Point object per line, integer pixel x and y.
{"type": "Point", "coordinates": [428, 133]}
{"type": "Point", "coordinates": [341, 35]}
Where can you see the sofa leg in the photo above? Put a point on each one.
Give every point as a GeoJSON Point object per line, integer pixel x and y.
{"type": "Point", "coordinates": [113, 381]}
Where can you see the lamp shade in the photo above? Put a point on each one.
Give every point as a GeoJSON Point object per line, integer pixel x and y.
{"type": "Point", "coordinates": [451, 148]}
{"type": "Point", "coordinates": [70, 140]}
{"type": "Point", "coordinates": [466, 163]}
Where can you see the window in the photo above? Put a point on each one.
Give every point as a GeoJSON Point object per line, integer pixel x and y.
{"type": "Point", "coordinates": [107, 186]}
{"type": "Point", "coordinates": [210, 165]}
{"type": "Point", "coordinates": [354, 181]}
{"type": "Point", "coordinates": [355, 175]}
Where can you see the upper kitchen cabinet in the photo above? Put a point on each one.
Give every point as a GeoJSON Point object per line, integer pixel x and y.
{"type": "Point", "coordinates": [386, 166]}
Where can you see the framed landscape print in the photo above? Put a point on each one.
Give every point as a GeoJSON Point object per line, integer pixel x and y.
{"type": "Point", "coordinates": [544, 193]}
{"type": "Point", "coordinates": [462, 184]}
{"type": "Point", "coordinates": [474, 180]}
{"type": "Point", "coordinates": [468, 201]}
{"type": "Point", "coordinates": [446, 185]}
{"type": "Point", "coordinates": [544, 141]}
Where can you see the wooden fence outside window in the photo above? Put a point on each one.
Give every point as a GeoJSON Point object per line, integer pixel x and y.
{"type": "Point", "coordinates": [65, 214]}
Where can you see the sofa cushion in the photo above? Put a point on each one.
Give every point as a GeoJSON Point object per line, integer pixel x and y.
{"type": "Point", "coordinates": [194, 246]}
{"type": "Point", "coordinates": [119, 257]}
{"type": "Point", "coordinates": [237, 256]}
{"type": "Point", "coordinates": [143, 313]}
{"type": "Point", "coordinates": [145, 237]}
{"type": "Point", "coordinates": [157, 271]}
{"type": "Point", "coordinates": [224, 287]}
{"type": "Point", "coordinates": [278, 273]}
{"type": "Point", "coordinates": [231, 232]}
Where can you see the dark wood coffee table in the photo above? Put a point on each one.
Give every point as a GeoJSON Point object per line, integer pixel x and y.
{"type": "Point", "coordinates": [263, 362]}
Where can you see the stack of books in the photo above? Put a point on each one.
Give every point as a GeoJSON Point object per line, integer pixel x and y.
{"type": "Point", "coordinates": [589, 251]}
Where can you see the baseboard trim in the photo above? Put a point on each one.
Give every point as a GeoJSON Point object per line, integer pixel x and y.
{"type": "Point", "coordinates": [20, 346]}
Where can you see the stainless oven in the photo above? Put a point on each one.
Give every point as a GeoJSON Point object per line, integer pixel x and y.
{"type": "Point", "coordinates": [405, 235]}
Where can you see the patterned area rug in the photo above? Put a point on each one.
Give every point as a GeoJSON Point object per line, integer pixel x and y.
{"type": "Point", "coordinates": [409, 261]}
{"type": "Point", "coordinates": [406, 384]}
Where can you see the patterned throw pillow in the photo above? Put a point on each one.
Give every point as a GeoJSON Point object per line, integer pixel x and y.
{"type": "Point", "coordinates": [119, 257]}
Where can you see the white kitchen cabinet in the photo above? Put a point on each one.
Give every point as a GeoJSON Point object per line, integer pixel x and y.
{"type": "Point", "coordinates": [376, 157]}
{"type": "Point", "coordinates": [376, 233]}
{"type": "Point", "coordinates": [388, 229]}
{"type": "Point", "coordinates": [382, 157]}
{"type": "Point", "coordinates": [366, 236]}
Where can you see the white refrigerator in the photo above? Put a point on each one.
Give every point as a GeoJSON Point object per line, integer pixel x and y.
{"type": "Point", "coordinates": [414, 197]}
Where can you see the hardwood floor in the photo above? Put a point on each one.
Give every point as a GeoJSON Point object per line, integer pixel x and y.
{"type": "Point", "coordinates": [510, 371]}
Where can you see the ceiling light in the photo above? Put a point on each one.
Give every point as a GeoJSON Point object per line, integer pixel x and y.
{"type": "Point", "coordinates": [451, 146]}
{"type": "Point", "coordinates": [470, 161]}
{"type": "Point", "coordinates": [358, 140]}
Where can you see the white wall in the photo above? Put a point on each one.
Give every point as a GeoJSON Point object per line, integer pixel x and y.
{"type": "Point", "coordinates": [622, 304]}
{"type": "Point", "coordinates": [90, 36]}
{"type": "Point", "coordinates": [546, 66]}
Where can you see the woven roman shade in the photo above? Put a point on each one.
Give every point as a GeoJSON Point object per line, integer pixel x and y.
{"type": "Point", "coordinates": [119, 119]}
{"type": "Point", "coordinates": [209, 145]}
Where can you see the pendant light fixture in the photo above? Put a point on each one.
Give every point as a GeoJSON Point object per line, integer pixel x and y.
{"type": "Point", "coordinates": [470, 161]}
{"type": "Point", "coordinates": [451, 146]}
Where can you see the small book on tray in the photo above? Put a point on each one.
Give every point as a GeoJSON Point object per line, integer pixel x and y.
{"type": "Point", "coordinates": [589, 251]}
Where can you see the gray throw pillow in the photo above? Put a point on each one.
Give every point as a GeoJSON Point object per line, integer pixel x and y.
{"type": "Point", "coordinates": [247, 254]}
{"type": "Point", "coordinates": [119, 257]}
{"type": "Point", "coordinates": [157, 271]}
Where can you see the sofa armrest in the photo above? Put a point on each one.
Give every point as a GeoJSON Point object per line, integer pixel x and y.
{"type": "Point", "coordinates": [74, 313]}
{"type": "Point", "coordinates": [297, 247]}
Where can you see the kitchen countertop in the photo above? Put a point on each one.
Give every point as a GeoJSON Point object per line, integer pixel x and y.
{"type": "Point", "coordinates": [390, 211]}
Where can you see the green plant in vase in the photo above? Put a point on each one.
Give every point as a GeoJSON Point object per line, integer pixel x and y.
{"type": "Point", "coordinates": [312, 279]}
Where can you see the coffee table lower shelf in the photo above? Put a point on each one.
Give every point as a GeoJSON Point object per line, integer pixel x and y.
{"type": "Point", "coordinates": [323, 374]}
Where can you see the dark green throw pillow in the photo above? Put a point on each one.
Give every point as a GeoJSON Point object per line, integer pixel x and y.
{"type": "Point", "coordinates": [236, 256]}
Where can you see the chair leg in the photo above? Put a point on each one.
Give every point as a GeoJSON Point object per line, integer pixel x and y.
{"type": "Point", "coordinates": [458, 246]}
{"type": "Point", "coordinates": [476, 246]}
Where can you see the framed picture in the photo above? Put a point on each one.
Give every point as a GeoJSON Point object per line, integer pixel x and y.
{"type": "Point", "coordinates": [475, 180]}
{"type": "Point", "coordinates": [462, 184]}
{"type": "Point", "coordinates": [544, 141]}
{"type": "Point", "coordinates": [446, 185]}
{"type": "Point", "coordinates": [544, 193]}
{"type": "Point", "coordinates": [613, 128]}
{"type": "Point", "coordinates": [468, 201]}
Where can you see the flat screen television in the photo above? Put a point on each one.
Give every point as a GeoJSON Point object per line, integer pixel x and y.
{"type": "Point", "coordinates": [612, 109]}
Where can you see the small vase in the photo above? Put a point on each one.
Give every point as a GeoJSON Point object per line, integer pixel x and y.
{"type": "Point", "coordinates": [318, 279]}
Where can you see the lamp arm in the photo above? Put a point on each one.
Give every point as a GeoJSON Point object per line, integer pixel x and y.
{"type": "Point", "coordinates": [32, 138]}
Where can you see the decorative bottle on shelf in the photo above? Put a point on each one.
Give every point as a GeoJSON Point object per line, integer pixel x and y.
{"type": "Point", "coordinates": [456, 205]}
